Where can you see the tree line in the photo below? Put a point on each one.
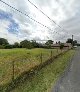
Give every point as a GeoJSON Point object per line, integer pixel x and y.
{"type": "Point", "coordinates": [4, 44]}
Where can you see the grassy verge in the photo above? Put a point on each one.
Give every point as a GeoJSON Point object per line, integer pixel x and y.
{"type": "Point", "coordinates": [46, 77]}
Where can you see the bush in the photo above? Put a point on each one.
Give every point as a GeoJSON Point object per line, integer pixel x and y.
{"type": "Point", "coordinates": [2, 46]}
{"type": "Point", "coordinates": [61, 46]}
{"type": "Point", "coordinates": [8, 46]}
{"type": "Point", "coordinates": [26, 44]}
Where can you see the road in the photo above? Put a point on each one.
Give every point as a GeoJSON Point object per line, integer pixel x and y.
{"type": "Point", "coordinates": [70, 81]}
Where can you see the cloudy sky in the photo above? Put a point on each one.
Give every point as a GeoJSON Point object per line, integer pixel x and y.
{"type": "Point", "coordinates": [16, 27]}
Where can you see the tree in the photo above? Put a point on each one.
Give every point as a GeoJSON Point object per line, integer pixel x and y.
{"type": "Point", "coordinates": [3, 41]}
{"type": "Point", "coordinates": [78, 44]}
{"type": "Point", "coordinates": [26, 44]}
{"type": "Point", "coordinates": [35, 44]}
{"type": "Point", "coordinates": [2, 47]}
{"type": "Point", "coordinates": [8, 46]}
{"type": "Point", "coordinates": [16, 45]}
{"type": "Point", "coordinates": [61, 46]}
{"type": "Point", "coordinates": [59, 42]}
{"type": "Point", "coordinates": [69, 40]}
{"type": "Point", "coordinates": [49, 43]}
{"type": "Point", "coordinates": [75, 42]}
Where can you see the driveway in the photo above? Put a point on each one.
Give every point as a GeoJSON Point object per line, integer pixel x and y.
{"type": "Point", "coordinates": [70, 81]}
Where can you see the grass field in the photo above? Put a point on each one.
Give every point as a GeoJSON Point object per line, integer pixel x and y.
{"type": "Point", "coordinates": [23, 59]}
{"type": "Point", "coordinates": [46, 77]}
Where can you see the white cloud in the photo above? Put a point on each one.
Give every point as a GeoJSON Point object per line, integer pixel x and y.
{"type": "Point", "coordinates": [63, 12]}
{"type": "Point", "coordinates": [3, 26]}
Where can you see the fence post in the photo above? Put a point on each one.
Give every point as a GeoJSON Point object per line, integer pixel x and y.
{"type": "Point", "coordinates": [57, 50]}
{"type": "Point", "coordinates": [41, 57]}
{"type": "Point", "coordinates": [12, 70]}
{"type": "Point", "coordinates": [51, 55]}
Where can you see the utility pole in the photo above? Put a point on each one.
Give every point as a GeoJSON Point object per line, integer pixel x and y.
{"type": "Point", "coordinates": [72, 41]}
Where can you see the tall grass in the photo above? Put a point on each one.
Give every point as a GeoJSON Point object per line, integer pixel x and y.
{"type": "Point", "coordinates": [46, 77]}
{"type": "Point", "coordinates": [24, 59]}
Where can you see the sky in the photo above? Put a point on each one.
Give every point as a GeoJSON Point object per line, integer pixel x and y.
{"type": "Point", "coordinates": [16, 27]}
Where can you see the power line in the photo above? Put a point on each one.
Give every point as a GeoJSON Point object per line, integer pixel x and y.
{"type": "Point", "coordinates": [44, 13]}
{"type": "Point", "coordinates": [25, 15]}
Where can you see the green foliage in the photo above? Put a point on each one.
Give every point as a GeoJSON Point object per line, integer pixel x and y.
{"type": "Point", "coordinates": [8, 46]}
{"type": "Point", "coordinates": [23, 44]}
{"type": "Point", "coordinates": [61, 46]}
{"type": "Point", "coordinates": [3, 41]}
{"type": "Point", "coordinates": [35, 44]}
{"type": "Point", "coordinates": [49, 43]}
{"type": "Point", "coordinates": [29, 45]}
{"type": "Point", "coordinates": [26, 44]}
{"type": "Point", "coordinates": [69, 40]}
{"type": "Point", "coordinates": [2, 46]}
{"type": "Point", "coordinates": [78, 44]}
{"type": "Point", "coordinates": [16, 45]}
{"type": "Point", "coordinates": [59, 42]}
{"type": "Point", "coordinates": [74, 42]}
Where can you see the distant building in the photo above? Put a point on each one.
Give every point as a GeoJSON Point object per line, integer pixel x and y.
{"type": "Point", "coordinates": [57, 45]}
{"type": "Point", "coordinates": [66, 45]}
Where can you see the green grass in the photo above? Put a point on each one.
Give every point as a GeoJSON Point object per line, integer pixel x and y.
{"type": "Point", "coordinates": [24, 60]}
{"type": "Point", "coordinates": [46, 77]}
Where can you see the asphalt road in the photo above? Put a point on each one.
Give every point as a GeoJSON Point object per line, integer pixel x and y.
{"type": "Point", "coordinates": [70, 81]}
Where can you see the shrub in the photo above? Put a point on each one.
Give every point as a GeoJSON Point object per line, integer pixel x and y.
{"type": "Point", "coordinates": [8, 46]}
{"type": "Point", "coordinates": [2, 46]}
{"type": "Point", "coordinates": [61, 46]}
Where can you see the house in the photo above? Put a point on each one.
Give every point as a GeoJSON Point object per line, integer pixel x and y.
{"type": "Point", "coordinates": [66, 45]}
{"type": "Point", "coordinates": [55, 46]}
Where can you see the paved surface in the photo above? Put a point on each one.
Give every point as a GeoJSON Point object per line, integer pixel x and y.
{"type": "Point", "coordinates": [70, 81]}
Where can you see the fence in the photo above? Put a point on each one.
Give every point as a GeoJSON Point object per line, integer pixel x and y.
{"type": "Point", "coordinates": [13, 65]}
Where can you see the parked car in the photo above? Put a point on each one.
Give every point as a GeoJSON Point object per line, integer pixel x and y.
{"type": "Point", "coordinates": [75, 46]}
